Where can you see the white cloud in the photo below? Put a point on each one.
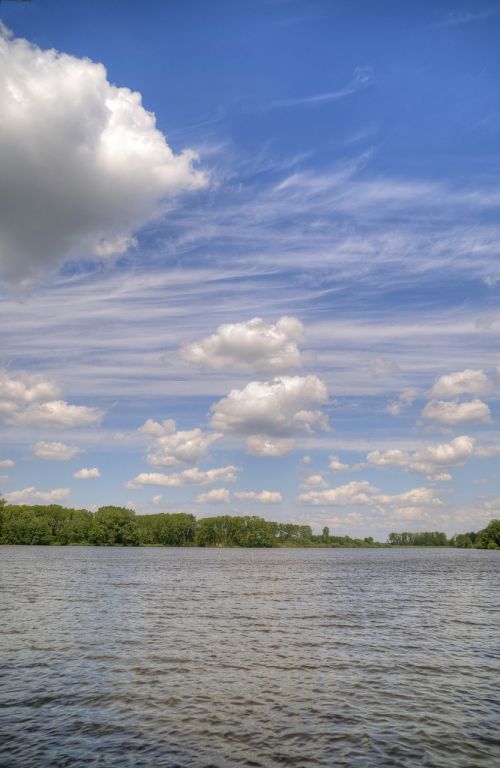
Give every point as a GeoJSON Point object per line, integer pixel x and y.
{"type": "Point", "coordinates": [6, 463]}
{"type": "Point", "coordinates": [467, 382]}
{"type": "Point", "coordinates": [259, 445]}
{"type": "Point", "coordinates": [27, 400]}
{"type": "Point", "coordinates": [428, 460]}
{"type": "Point", "coordinates": [336, 465]}
{"type": "Point", "coordinates": [154, 428]}
{"type": "Point", "coordinates": [86, 474]}
{"type": "Point", "coordinates": [263, 497]}
{"type": "Point", "coordinates": [361, 492]}
{"type": "Point", "coordinates": [272, 407]}
{"type": "Point", "coordinates": [157, 499]}
{"type": "Point", "coordinates": [252, 346]}
{"type": "Point", "coordinates": [32, 494]}
{"type": "Point", "coordinates": [26, 388]}
{"type": "Point", "coordinates": [357, 492]}
{"type": "Point", "coordinates": [448, 414]}
{"type": "Point", "coordinates": [314, 481]}
{"type": "Point", "coordinates": [187, 477]}
{"type": "Point", "coordinates": [404, 401]}
{"type": "Point", "coordinates": [55, 451]}
{"type": "Point", "coordinates": [83, 164]}
{"type": "Point", "coordinates": [172, 447]}
{"type": "Point", "coordinates": [214, 496]}
{"type": "Point", "coordinates": [56, 413]}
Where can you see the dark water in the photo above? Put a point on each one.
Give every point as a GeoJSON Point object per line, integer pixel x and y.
{"type": "Point", "coordinates": [178, 657]}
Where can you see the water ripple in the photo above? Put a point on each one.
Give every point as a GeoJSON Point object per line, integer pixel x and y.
{"type": "Point", "coordinates": [168, 658]}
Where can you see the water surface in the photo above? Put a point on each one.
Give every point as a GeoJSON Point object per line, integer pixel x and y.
{"type": "Point", "coordinates": [238, 657]}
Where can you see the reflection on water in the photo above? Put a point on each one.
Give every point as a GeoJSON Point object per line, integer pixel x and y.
{"type": "Point", "coordinates": [189, 657]}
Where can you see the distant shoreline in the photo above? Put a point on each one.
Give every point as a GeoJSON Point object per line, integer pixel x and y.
{"type": "Point", "coordinates": [54, 525]}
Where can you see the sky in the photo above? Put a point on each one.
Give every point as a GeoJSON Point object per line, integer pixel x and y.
{"type": "Point", "coordinates": [249, 259]}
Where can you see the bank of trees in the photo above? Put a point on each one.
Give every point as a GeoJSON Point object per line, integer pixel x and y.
{"type": "Point", "coordinates": [421, 539]}
{"type": "Point", "coordinates": [487, 538]}
{"type": "Point", "coordinates": [119, 526]}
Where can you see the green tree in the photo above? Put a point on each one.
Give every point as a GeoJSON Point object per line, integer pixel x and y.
{"type": "Point", "coordinates": [114, 526]}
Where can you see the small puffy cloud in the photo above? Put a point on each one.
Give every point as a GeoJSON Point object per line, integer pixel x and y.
{"type": "Point", "coordinates": [414, 497]}
{"type": "Point", "coordinates": [157, 429]}
{"type": "Point", "coordinates": [27, 400]}
{"type": "Point", "coordinates": [55, 451]}
{"type": "Point", "coordinates": [6, 463]}
{"type": "Point", "coordinates": [83, 164]}
{"type": "Point", "coordinates": [263, 497]}
{"type": "Point", "coordinates": [251, 346]}
{"type": "Point", "coordinates": [56, 413]}
{"type": "Point", "coordinates": [467, 382]}
{"type": "Point", "coordinates": [214, 496]}
{"type": "Point", "coordinates": [382, 367]}
{"type": "Point", "coordinates": [306, 460]}
{"type": "Point", "coordinates": [428, 460]}
{"type": "Point", "coordinates": [404, 401]}
{"type": "Point", "coordinates": [259, 445]}
{"type": "Point", "coordinates": [32, 494]}
{"type": "Point", "coordinates": [272, 407]}
{"type": "Point", "coordinates": [357, 492]}
{"type": "Point", "coordinates": [172, 447]}
{"type": "Point", "coordinates": [188, 477]}
{"type": "Point", "coordinates": [157, 499]}
{"type": "Point", "coordinates": [314, 481]}
{"type": "Point", "coordinates": [336, 465]}
{"type": "Point", "coordinates": [448, 414]}
{"type": "Point", "coordinates": [26, 388]}
{"type": "Point", "coordinates": [387, 458]}
{"type": "Point", "coordinates": [87, 474]}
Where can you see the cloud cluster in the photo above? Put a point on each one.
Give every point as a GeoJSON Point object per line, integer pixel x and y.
{"type": "Point", "coordinates": [26, 400]}
{"type": "Point", "coordinates": [172, 447]}
{"type": "Point", "coordinates": [250, 346]}
{"type": "Point", "coordinates": [83, 164]}
{"type": "Point", "coordinates": [55, 451]}
{"type": "Point", "coordinates": [276, 407]}
{"type": "Point", "coordinates": [188, 477]}
{"type": "Point", "coordinates": [262, 497]}
{"type": "Point", "coordinates": [32, 494]}
{"type": "Point", "coordinates": [467, 382]}
{"type": "Point", "coordinates": [336, 465]}
{"type": "Point", "coordinates": [214, 496]}
{"type": "Point", "coordinates": [448, 413]}
{"type": "Point", "coordinates": [364, 493]}
{"type": "Point", "coordinates": [87, 474]}
{"type": "Point", "coordinates": [429, 460]}
{"type": "Point", "coordinates": [6, 463]}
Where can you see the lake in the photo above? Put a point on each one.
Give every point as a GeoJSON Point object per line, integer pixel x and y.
{"type": "Point", "coordinates": [246, 657]}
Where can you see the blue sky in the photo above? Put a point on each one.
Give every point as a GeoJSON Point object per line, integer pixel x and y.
{"type": "Point", "coordinates": [249, 260]}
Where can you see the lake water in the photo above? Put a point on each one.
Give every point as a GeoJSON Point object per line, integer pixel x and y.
{"type": "Point", "coordinates": [224, 658]}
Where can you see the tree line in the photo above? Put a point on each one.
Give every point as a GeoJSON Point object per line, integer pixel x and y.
{"type": "Point", "coordinates": [119, 526]}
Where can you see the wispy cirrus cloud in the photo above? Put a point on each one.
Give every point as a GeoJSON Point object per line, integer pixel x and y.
{"type": "Point", "coordinates": [361, 79]}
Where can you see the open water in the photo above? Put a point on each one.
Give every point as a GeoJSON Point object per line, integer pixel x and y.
{"type": "Point", "coordinates": [238, 657]}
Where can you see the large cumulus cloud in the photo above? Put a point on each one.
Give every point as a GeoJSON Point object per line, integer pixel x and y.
{"type": "Point", "coordinates": [83, 164]}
